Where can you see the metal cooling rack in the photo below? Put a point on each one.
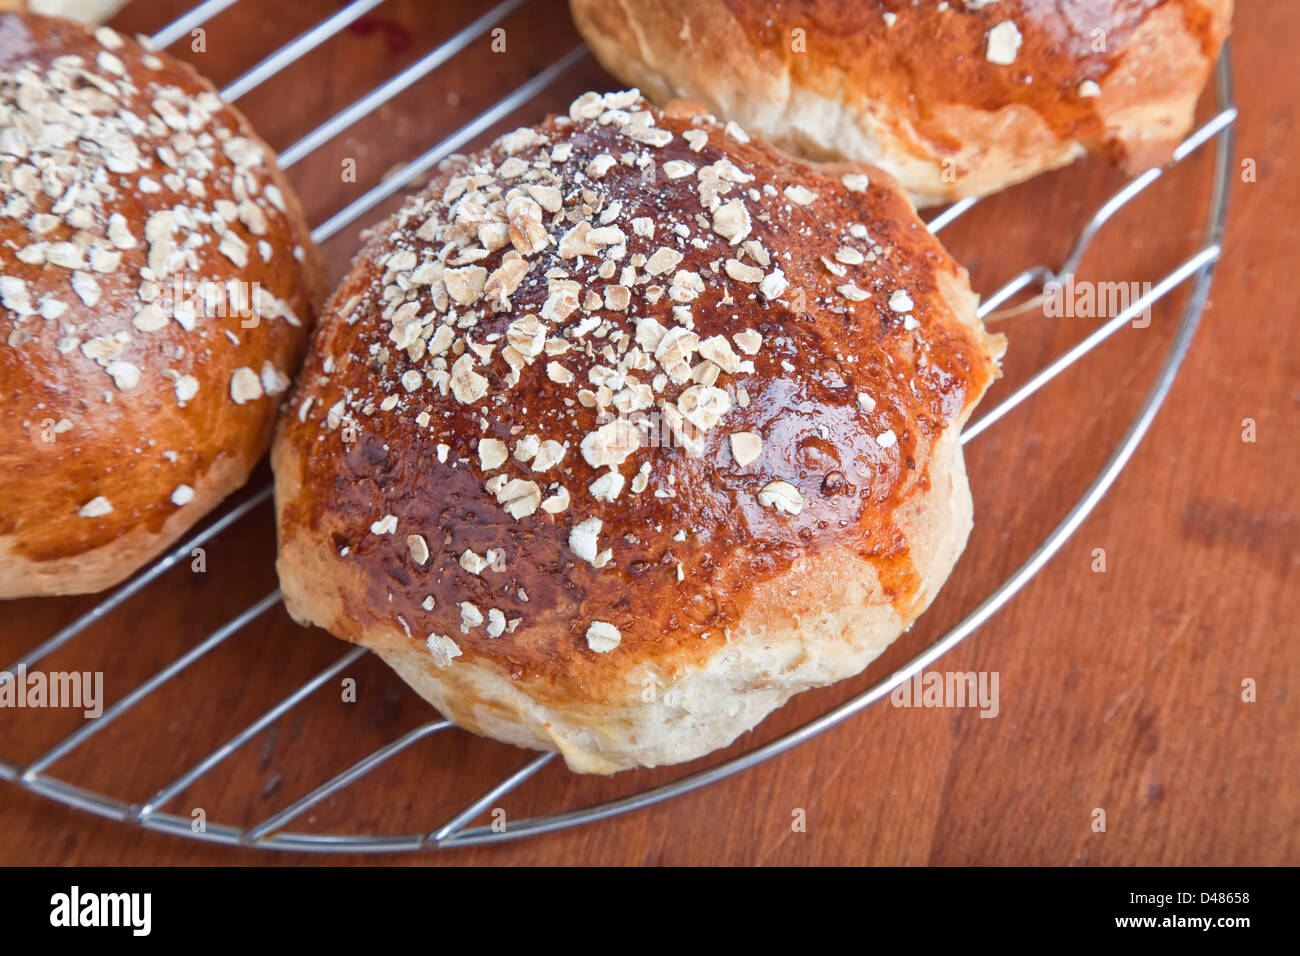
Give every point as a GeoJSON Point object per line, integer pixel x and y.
{"type": "Point", "coordinates": [1197, 269]}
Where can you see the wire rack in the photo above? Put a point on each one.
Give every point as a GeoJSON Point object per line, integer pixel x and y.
{"type": "Point", "coordinates": [270, 833]}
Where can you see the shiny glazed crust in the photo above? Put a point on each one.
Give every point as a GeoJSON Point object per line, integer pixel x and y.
{"type": "Point", "coordinates": [956, 99]}
{"type": "Point", "coordinates": [137, 387]}
{"type": "Point", "coordinates": [629, 428]}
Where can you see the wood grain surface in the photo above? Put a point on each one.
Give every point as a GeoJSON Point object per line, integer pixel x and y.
{"type": "Point", "coordinates": [1120, 690]}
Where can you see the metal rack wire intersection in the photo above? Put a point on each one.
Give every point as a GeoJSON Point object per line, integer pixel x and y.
{"type": "Point", "coordinates": [269, 834]}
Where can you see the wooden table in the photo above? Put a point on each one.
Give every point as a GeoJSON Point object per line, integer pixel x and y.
{"type": "Point", "coordinates": [1119, 690]}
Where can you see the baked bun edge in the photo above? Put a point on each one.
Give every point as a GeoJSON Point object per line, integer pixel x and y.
{"type": "Point", "coordinates": [718, 605]}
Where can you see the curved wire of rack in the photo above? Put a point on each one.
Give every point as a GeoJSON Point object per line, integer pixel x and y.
{"type": "Point", "coordinates": [269, 834]}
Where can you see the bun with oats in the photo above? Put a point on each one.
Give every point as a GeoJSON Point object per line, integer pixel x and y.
{"type": "Point", "coordinates": [157, 282]}
{"type": "Point", "coordinates": [955, 99]}
{"type": "Point", "coordinates": [625, 430]}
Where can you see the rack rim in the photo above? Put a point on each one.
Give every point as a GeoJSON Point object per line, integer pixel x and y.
{"type": "Point", "coordinates": [457, 832]}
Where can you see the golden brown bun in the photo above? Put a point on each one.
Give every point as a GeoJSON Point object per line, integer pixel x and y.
{"type": "Point", "coordinates": [130, 192]}
{"type": "Point", "coordinates": [674, 334]}
{"type": "Point", "coordinates": [958, 99]}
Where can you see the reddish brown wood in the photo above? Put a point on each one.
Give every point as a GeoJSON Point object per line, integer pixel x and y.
{"type": "Point", "coordinates": [1119, 690]}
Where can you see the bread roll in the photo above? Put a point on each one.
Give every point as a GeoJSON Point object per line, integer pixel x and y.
{"type": "Point", "coordinates": [157, 283]}
{"type": "Point", "coordinates": [627, 429]}
{"type": "Point", "coordinates": [955, 99]}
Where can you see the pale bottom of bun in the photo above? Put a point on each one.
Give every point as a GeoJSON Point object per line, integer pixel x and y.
{"type": "Point", "coordinates": [1018, 145]}
{"type": "Point", "coordinates": [112, 563]}
{"type": "Point", "coordinates": [87, 11]}
{"type": "Point", "coordinates": [823, 620]}
{"type": "Point", "coordinates": [1002, 148]}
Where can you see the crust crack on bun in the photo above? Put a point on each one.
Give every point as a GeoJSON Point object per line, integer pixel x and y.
{"type": "Point", "coordinates": [628, 428]}
{"type": "Point", "coordinates": [955, 99]}
{"type": "Point", "coordinates": [157, 282]}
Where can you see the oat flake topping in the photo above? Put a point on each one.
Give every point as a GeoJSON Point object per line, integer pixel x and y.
{"type": "Point", "coordinates": [533, 268]}
{"type": "Point", "coordinates": [87, 138]}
